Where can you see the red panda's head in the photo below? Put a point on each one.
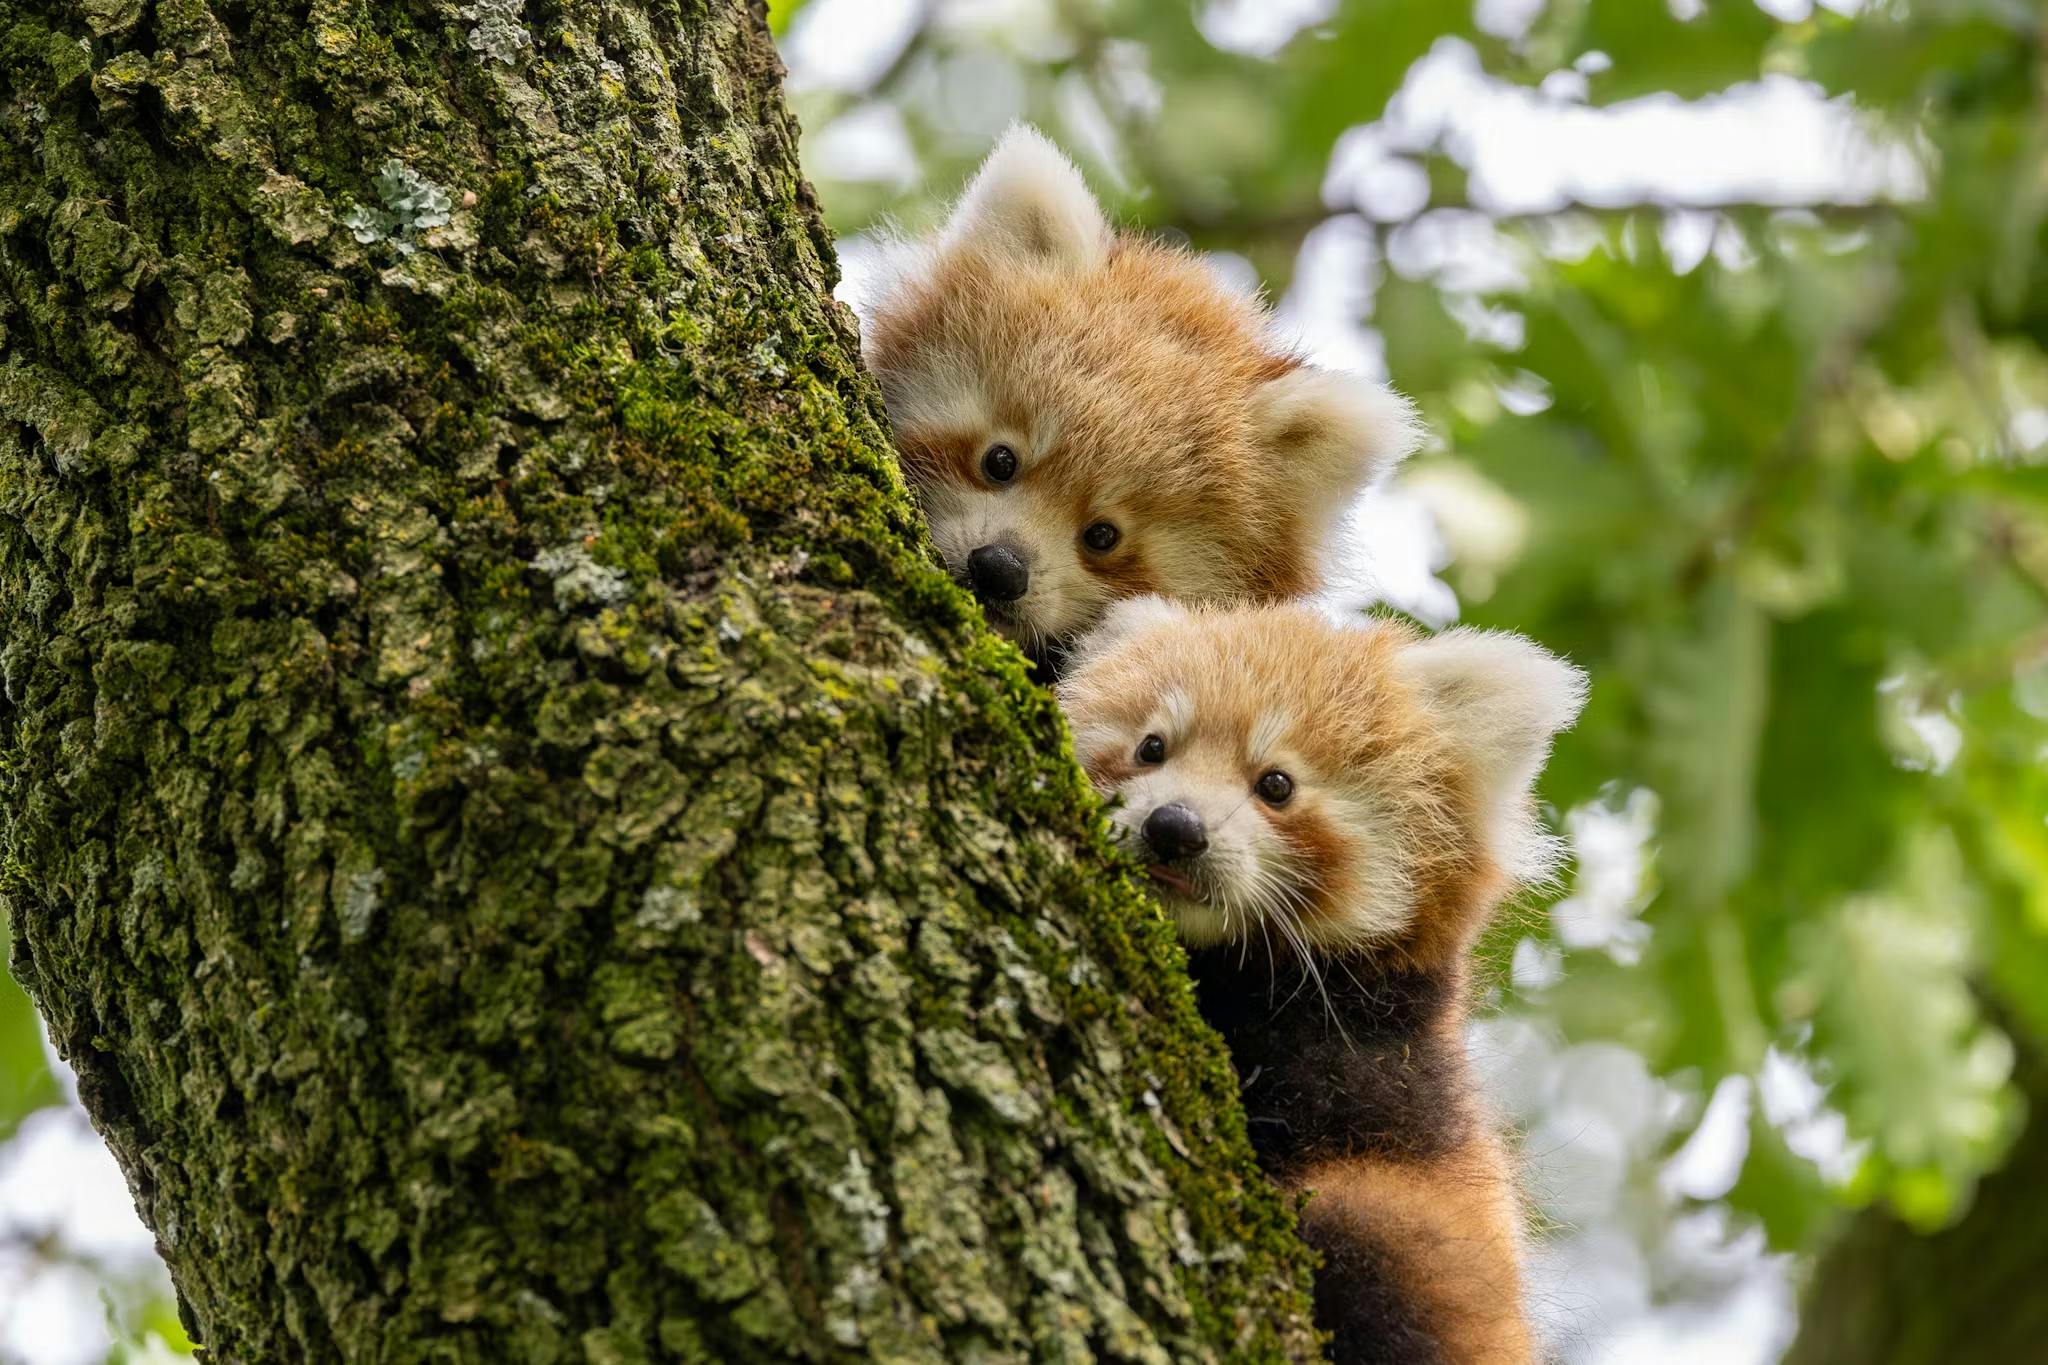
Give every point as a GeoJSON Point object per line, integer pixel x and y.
{"type": "Point", "coordinates": [1344, 787]}
{"type": "Point", "coordinates": [1088, 416]}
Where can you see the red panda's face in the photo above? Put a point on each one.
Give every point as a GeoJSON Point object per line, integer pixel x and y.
{"type": "Point", "coordinates": [1294, 780]}
{"type": "Point", "coordinates": [1258, 811]}
{"type": "Point", "coordinates": [1048, 511]}
{"type": "Point", "coordinates": [1244, 834]}
{"type": "Point", "coordinates": [1086, 417]}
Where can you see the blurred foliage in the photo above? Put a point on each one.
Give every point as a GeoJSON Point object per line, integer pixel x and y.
{"type": "Point", "coordinates": [1780, 483]}
{"type": "Point", "coordinates": [25, 1082]}
{"type": "Point", "coordinates": [157, 1339]}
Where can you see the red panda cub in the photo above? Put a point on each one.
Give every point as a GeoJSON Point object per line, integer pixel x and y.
{"type": "Point", "coordinates": [1332, 813]}
{"type": "Point", "coordinates": [1088, 415]}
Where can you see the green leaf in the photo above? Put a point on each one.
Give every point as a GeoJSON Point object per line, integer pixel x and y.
{"type": "Point", "coordinates": [25, 1081]}
{"type": "Point", "coordinates": [1913, 1062]}
{"type": "Point", "coordinates": [1655, 52]}
{"type": "Point", "coordinates": [1780, 1187]}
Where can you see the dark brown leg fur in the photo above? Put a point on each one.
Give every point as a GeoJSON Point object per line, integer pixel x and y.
{"type": "Point", "coordinates": [1357, 1090]}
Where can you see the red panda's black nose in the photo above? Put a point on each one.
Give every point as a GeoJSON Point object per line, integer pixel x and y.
{"type": "Point", "coordinates": [997, 573]}
{"type": "Point", "coordinates": [1175, 832]}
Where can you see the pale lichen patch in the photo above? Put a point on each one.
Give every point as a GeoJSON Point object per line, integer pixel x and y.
{"type": "Point", "coordinates": [410, 205]}
{"type": "Point", "coordinates": [498, 34]}
{"type": "Point", "coordinates": [855, 1192]}
{"type": "Point", "coordinates": [362, 892]}
{"type": "Point", "coordinates": [580, 580]}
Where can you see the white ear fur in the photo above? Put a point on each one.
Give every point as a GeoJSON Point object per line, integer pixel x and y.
{"type": "Point", "coordinates": [1500, 698]}
{"type": "Point", "coordinates": [1125, 620]}
{"type": "Point", "coordinates": [1028, 200]}
{"type": "Point", "coordinates": [1333, 433]}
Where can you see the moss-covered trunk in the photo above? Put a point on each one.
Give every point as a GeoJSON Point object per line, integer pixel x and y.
{"type": "Point", "coordinates": [528, 858]}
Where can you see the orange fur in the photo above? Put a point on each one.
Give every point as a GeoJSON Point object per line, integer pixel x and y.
{"type": "Point", "coordinates": [1455, 1222]}
{"type": "Point", "coordinates": [1361, 736]}
{"type": "Point", "coordinates": [1135, 387]}
{"type": "Point", "coordinates": [1407, 821]}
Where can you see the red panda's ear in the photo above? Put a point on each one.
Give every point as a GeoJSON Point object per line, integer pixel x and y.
{"type": "Point", "coordinates": [1498, 699]}
{"type": "Point", "coordinates": [1027, 200]}
{"type": "Point", "coordinates": [1125, 620]}
{"type": "Point", "coordinates": [1331, 434]}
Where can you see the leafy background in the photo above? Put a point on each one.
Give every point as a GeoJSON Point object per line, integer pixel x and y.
{"type": "Point", "coordinates": [1727, 317]}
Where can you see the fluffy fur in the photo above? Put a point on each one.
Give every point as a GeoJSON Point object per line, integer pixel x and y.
{"type": "Point", "coordinates": [1330, 929]}
{"type": "Point", "coordinates": [1134, 387]}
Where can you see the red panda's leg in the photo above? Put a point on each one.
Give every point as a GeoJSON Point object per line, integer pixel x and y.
{"type": "Point", "coordinates": [1421, 1258]}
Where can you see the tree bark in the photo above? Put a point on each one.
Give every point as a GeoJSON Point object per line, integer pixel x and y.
{"type": "Point", "coordinates": [1884, 1294]}
{"type": "Point", "coordinates": [528, 857]}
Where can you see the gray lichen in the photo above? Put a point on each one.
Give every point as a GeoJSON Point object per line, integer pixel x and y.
{"type": "Point", "coordinates": [361, 894]}
{"type": "Point", "coordinates": [411, 204]}
{"type": "Point", "coordinates": [579, 579]}
{"type": "Point", "coordinates": [499, 35]}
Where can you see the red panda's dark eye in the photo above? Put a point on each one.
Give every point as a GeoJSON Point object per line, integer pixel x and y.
{"type": "Point", "coordinates": [1101, 537]}
{"type": "Point", "coordinates": [1151, 749]}
{"type": "Point", "coordinates": [1000, 463]}
{"type": "Point", "coordinates": [1274, 788]}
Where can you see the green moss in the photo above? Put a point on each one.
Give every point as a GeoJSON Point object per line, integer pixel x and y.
{"type": "Point", "coordinates": [529, 856]}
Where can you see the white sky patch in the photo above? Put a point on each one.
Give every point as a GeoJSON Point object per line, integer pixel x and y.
{"type": "Point", "coordinates": [1483, 527]}
{"type": "Point", "coordinates": [1631, 1270]}
{"type": "Point", "coordinates": [59, 1181]}
{"type": "Point", "coordinates": [1536, 966]}
{"type": "Point", "coordinates": [1687, 236]}
{"type": "Point", "coordinates": [1609, 893]}
{"type": "Point", "coordinates": [860, 259]}
{"type": "Point", "coordinates": [2028, 429]}
{"type": "Point", "coordinates": [1033, 30]}
{"type": "Point", "coordinates": [847, 44]}
{"type": "Point", "coordinates": [1772, 141]}
{"type": "Point", "coordinates": [1799, 11]}
{"type": "Point", "coordinates": [1463, 251]}
{"type": "Point", "coordinates": [1506, 18]}
{"type": "Point", "coordinates": [978, 94]}
{"type": "Point", "coordinates": [1387, 550]}
{"type": "Point", "coordinates": [1923, 737]}
{"type": "Point", "coordinates": [1089, 129]}
{"type": "Point", "coordinates": [1334, 276]}
{"type": "Point", "coordinates": [1796, 1105]}
{"type": "Point", "coordinates": [868, 143]}
{"type": "Point", "coordinates": [1601, 1108]}
{"type": "Point", "coordinates": [1707, 1165]}
{"type": "Point", "coordinates": [1236, 272]}
{"type": "Point", "coordinates": [1260, 28]}
{"type": "Point", "coordinates": [1752, 1324]}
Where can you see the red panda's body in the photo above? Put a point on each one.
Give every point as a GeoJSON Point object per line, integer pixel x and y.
{"type": "Point", "coordinates": [1356, 1088]}
{"type": "Point", "coordinates": [1089, 415]}
{"type": "Point", "coordinates": [1333, 812]}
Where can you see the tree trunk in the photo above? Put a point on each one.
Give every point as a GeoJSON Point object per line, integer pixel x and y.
{"type": "Point", "coordinates": [529, 859]}
{"type": "Point", "coordinates": [1968, 1295]}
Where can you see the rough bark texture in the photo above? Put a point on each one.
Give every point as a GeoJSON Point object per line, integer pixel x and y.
{"type": "Point", "coordinates": [1969, 1295]}
{"type": "Point", "coordinates": [529, 859]}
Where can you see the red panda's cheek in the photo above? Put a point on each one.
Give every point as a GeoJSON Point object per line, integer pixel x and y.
{"type": "Point", "coordinates": [1123, 572]}
{"type": "Point", "coordinates": [940, 454]}
{"type": "Point", "coordinates": [1107, 768]}
{"type": "Point", "coordinates": [1323, 850]}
